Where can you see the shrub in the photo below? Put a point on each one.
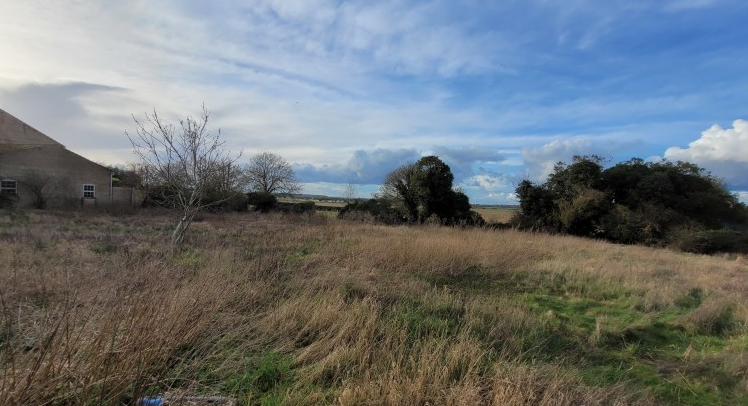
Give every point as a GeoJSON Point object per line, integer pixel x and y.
{"type": "Point", "coordinates": [221, 204]}
{"type": "Point", "coordinates": [712, 241]}
{"type": "Point", "coordinates": [301, 207]}
{"type": "Point", "coordinates": [159, 196]}
{"type": "Point", "coordinates": [238, 202]}
{"type": "Point", "coordinates": [471, 218]}
{"type": "Point", "coordinates": [581, 214]}
{"type": "Point", "coordinates": [380, 210]}
{"type": "Point", "coordinates": [262, 201]}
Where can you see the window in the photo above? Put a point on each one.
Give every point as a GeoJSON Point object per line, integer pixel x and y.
{"type": "Point", "coordinates": [89, 191]}
{"type": "Point", "coordinates": [8, 187]}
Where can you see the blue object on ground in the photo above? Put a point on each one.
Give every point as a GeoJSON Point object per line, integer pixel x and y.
{"type": "Point", "coordinates": [151, 401]}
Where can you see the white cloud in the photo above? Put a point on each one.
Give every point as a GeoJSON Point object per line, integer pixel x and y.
{"type": "Point", "coordinates": [288, 76]}
{"type": "Point", "coordinates": [540, 161]}
{"type": "Point", "coordinates": [742, 196]}
{"type": "Point", "coordinates": [722, 151]}
{"type": "Point", "coordinates": [487, 182]}
{"type": "Point", "coordinates": [496, 198]}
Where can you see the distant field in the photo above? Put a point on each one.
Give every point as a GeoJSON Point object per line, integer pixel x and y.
{"type": "Point", "coordinates": [318, 203]}
{"type": "Point", "coordinates": [497, 214]}
{"type": "Point", "coordinates": [329, 204]}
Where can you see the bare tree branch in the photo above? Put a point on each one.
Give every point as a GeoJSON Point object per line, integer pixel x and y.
{"type": "Point", "coordinates": [400, 186]}
{"type": "Point", "coordinates": [184, 162]}
{"type": "Point", "coordinates": [270, 173]}
{"type": "Point", "coordinates": [349, 193]}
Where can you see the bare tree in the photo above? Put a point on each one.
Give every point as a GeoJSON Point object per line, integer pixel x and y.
{"type": "Point", "coordinates": [270, 173]}
{"type": "Point", "coordinates": [402, 187]}
{"type": "Point", "coordinates": [184, 162]}
{"type": "Point", "coordinates": [349, 193]}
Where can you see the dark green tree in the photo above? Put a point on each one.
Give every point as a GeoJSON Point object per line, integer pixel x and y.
{"type": "Point", "coordinates": [434, 179]}
{"type": "Point", "coordinates": [631, 202]}
{"type": "Point", "coordinates": [262, 201]}
{"type": "Point", "coordinates": [536, 207]}
{"type": "Point", "coordinates": [424, 189]}
{"type": "Point", "coordinates": [677, 192]}
{"type": "Point", "coordinates": [585, 172]}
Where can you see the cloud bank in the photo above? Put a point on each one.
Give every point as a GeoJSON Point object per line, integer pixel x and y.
{"type": "Point", "coordinates": [539, 161]}
{"type": "Point", "coordinates": [722, 151]}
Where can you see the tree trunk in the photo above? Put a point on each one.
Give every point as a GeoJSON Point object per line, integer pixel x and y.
{"type": "Point", "coordinates": [177, 237]}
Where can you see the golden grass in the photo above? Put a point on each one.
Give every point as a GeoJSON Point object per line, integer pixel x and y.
{"type": "Point", "coordinates": [496, 214]}
{"type": "Point", "coordinates": [94, 310]}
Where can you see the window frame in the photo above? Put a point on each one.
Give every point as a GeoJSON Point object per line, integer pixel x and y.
{"type": "Point", "coordinates": [7, 190]}
{"type": "Point", "coordinates": [89, 194]}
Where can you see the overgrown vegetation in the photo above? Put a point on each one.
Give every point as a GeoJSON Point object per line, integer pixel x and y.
{"type": "Point", "coordinates": [301, 309]}
{"type": "Point", "coordinates": [636, 202]}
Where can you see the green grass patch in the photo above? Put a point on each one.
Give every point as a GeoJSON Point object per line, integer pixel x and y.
{"type": "Point", "coordinates": [647, 351]}
{"type": "Point", "coordinates": [423, 320]}
{"type": "Point", "coordinates": [476, 280]}
{"type": "Point", "coordinates": [303, 251]}
{"type": "Point", "coordinates": [264, 379]}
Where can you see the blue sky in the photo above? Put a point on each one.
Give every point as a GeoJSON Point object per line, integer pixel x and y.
{"type": "Point", "coordinates": [349, 90]}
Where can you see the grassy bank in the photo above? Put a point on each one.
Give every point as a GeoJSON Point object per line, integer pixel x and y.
{"type": "Point", "coordinates": [284, 309]}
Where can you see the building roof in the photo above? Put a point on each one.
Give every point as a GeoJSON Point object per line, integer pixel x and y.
{"type": "Point", "coordinates": [15, 134]}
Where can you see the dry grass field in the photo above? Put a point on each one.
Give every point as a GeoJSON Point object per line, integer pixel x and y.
{"type": "Point", "coordinates": [496, 214]}
{"type": "Point", "coordinates": [304, 309]}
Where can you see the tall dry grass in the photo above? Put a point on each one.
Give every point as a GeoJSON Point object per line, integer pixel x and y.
{"type": "Point", "coordinates": [93, 315]}
{"type": "Point", "coordinates": [94, 310]}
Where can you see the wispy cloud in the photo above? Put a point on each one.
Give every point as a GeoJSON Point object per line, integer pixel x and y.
{"type": "Point", "coordinates": [319, 80]}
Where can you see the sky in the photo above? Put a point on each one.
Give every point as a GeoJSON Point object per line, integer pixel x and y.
{"type": "Point", "coordinates": [348, 90]}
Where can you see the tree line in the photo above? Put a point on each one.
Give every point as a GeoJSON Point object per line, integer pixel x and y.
{"type": "Point", "coordinates": [632, 202]}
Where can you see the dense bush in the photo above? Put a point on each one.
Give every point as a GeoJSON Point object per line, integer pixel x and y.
{"type": "Point", "coordinates": [301, 207]}
{"type": "Point", "coordinates": [633, 202]}
{"type": "Point", "coordinates": [384, 211]}
{"type": "Point", "coordinates": [712, 241]}
{"type": "Point", "coordinates": [159, 196]}
{"type": "Point", "coordinates": [237, 202]}
{"type": "Point", "coordinates": [377, 210]}
{"type": "Point", "coordinates": [471, 218]}
{"type": "Point", "coordinates": [212, 201]}
{"type": "Point", "coordinates": [262, 201]}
